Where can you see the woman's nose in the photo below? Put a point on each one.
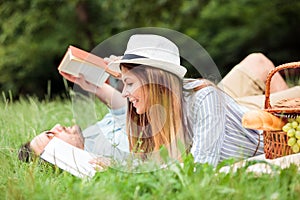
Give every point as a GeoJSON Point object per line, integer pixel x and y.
{"type": "Point", "coordinates": [125, 93]}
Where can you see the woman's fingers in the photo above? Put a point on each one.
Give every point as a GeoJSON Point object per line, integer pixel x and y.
{"type": "Point", "coordinates": [100, 163]}
{"type": "Point", "coordinates": [69, 77]}
{"type": "Point", "coordinates": [79, 81]}
{"type": "Point", "coordinates": [85, 85]}
{"type": "Point", "coordinates": [112, 58]}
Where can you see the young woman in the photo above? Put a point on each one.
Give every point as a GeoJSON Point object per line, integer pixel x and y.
{"type": "Point", "coordinates": [164, 109]}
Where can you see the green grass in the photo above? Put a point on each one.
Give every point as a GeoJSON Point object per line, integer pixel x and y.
{"type": "Point", "coordinates": [292, 76]}
{"type": "Point", "coordinates": [21, 120]}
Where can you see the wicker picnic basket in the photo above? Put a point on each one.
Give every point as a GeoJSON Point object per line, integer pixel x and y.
{"type": "Point", "coordinates": [275, 142]}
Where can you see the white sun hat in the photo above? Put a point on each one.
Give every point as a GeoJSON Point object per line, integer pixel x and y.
{"type": "Point", "coordinates": [151, 50]}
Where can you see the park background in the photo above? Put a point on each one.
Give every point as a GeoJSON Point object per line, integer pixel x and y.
{"type": "Point", "coordinates": [35, 34]}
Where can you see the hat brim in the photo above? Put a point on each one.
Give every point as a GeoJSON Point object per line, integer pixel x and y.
{"type": "Point", "coordinates": [178, 70]}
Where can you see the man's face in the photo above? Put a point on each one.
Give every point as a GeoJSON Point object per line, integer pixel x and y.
{"type": "Point", "coordinates": [71, 135]}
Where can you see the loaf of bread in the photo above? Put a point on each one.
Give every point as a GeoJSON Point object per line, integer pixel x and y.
{"type": "Point", "coordinates": [262, 120]}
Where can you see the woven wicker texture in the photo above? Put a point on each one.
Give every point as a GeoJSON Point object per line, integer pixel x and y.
{"type": "Point", "coordinates": [275, 142]}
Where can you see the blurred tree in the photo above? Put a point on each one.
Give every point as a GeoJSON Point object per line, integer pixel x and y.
{"type": "Point", "coordinates": [230, 30]}
{"type": "Point", "coordinates": [35, 34]}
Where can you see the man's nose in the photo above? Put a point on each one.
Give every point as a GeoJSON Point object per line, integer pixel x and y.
{"type": "Point", "coordinates": [57, 127]}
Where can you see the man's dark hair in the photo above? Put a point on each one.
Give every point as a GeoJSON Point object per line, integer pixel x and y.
{"type": "Point", "coordinates": [25, 153]}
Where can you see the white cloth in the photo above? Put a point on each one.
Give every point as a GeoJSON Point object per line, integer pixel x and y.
{"type": "Point", "coordinates": [264, 165]}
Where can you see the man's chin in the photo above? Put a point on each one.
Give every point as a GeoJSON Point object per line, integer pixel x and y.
{"type": "Point", "coordinates": [78, 129]}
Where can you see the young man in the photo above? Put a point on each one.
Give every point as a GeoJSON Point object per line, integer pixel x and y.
{"type": "Point", "coordinates": [106, 138]}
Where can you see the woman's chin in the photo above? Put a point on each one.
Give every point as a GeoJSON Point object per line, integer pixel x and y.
{"type": "Point", "coordinates": [140, 111]}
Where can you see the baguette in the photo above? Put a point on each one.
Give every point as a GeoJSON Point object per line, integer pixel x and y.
{"type": "Point", "coordinates": [262, 120]}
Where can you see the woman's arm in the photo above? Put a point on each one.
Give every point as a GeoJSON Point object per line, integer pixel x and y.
{"type": "Point", "coordinates": [110, 96]}
{"type": "Point", "coordinates": [106, 93]}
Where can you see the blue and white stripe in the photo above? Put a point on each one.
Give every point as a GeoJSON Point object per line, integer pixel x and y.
{"type": "Point", "coordinates": [217, 131]}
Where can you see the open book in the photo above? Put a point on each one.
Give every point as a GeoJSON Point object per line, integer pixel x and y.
{"type": "Point", "coordinates": [69, 158]}
{"type": "Point", "coordinates": [77, 61]}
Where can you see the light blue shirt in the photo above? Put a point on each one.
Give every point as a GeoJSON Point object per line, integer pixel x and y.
{"type": "Point", "coordinates": [108, 136]}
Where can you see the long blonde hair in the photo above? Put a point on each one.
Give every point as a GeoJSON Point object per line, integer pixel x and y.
{"type": "Point", "coordinates": [162, 124]}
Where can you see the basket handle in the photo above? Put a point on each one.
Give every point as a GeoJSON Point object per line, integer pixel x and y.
{"type": "Point", "coordinates": [270, 75]}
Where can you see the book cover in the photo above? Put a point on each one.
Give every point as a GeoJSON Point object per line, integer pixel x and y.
{"type": "Point", "coordinates": [77, 61]}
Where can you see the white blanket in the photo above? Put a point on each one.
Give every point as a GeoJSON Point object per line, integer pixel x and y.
{"type": "Point", "coordinates": [264, 165]}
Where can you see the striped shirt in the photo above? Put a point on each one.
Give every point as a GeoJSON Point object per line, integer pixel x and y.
{"type": "Point", "coordinates": [215, 126]}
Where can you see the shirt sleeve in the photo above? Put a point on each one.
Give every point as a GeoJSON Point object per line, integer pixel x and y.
{"type": "Point", "coordinates": [208, 125]}
{"type": "Point", "coordinates": [119, 111]}
{"type": "Point", "coordinates": [119, 116]}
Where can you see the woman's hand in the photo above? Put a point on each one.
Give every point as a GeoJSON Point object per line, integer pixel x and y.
{"type": "Point", "coordinates": [100, 163]}
{"type": "Point", "coordinates": [89, 87]}
{"type": "Point", "coordinates": [69, 77]}
{"type": "Point", "coordinates": [112, 58]}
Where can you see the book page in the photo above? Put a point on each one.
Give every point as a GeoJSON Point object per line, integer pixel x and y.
{"type": "Point", "coordinates": [92, 74]}
{"type": "Point", "coordinates": [69, 158]}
